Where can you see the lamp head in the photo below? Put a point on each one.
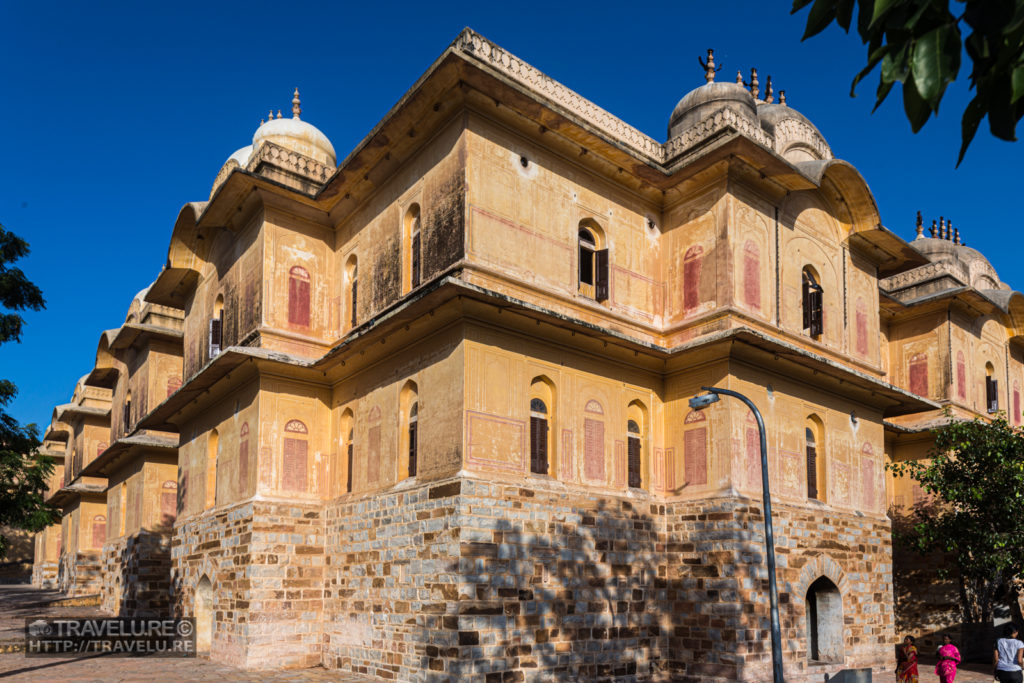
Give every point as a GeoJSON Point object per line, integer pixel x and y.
{"type": "Point", "coordinates": [702, 401]}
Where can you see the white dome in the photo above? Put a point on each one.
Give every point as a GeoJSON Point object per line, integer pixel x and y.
{"type": "Point", "coordinates": [298, 136]}
{"type": "Point", "coordinates": [241, 156]}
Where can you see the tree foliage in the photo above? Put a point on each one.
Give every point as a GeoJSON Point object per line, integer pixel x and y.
{"type": "Point", "coordinates": [23, 473]}
{"type": "Point", "coordinates": [975, 477]}
{"type": "Point", "coordinates": [918, 43]}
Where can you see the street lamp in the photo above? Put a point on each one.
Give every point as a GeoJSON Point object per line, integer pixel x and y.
{"type": "Point", "coordinates": [703, 401]}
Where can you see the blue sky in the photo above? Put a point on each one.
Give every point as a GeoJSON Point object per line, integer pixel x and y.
{"type": "Point", "coordinates": [116, 114]}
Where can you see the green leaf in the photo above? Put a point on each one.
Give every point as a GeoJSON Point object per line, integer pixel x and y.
{"type": "Point", "coordinates": [881, 8]}
{"type": "Point", "coordinates": [1017, 81]}
{"type": "Point", "coordinates": [873, 60]}
{"type": "Point", "coordinates": [883, 92]}
{"type": "Point", "coordinates": [935, 63]}
{"type": "Point", "coordinates": [895, 66]}
{"type": "Point", "coordinates": [844, 13]}
{"type": "Point", "coordinates": [916, 109]}
{"type": "Point", "coordinates": [822, 14]}
{"type": "Point", "coordinates": [799, 5]}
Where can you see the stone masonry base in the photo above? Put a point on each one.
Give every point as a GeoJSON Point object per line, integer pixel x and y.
{"type": "Point", "coordinates": [136, 575]}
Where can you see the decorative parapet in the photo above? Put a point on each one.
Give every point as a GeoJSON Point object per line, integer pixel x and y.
{"type": "Point", "coordinates": [474, 45]}
{"type": "Point", "coordinates": [923, 281]}
{"type": "Point", "coordinates": [794, 132]}
{"type": "Point", "coordinates": [723, 119]}
{"type": "Point", "coordinates": [291, 162]}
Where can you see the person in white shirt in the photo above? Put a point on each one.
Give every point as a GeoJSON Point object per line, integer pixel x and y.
{"type": "Point", "coordinates": [1009, 656]}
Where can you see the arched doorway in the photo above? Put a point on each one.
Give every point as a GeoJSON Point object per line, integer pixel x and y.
{"type": "Point", "coordinates": [204, 615]}
{"type": "Point", "coordinates": [824, 622]}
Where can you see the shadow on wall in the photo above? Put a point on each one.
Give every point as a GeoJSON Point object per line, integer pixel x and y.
{"type": "Point", "coordinates": [579, 593]}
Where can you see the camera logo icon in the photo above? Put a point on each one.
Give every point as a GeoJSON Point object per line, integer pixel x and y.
{"type": "Point", "coordinates": [40, 627]}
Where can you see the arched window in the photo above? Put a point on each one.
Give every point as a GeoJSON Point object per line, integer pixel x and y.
{"type": "Point", "coordinates": [217, 327]}
{"type": "Point", "coordinates": [918, 374]}
{"type": "Point", "coordinates": [168, 503]}
{"type": "Point", "coordinates": [692, 261]}
{"type": "Point", "coordinates": [243, 459]}
{"type": "Point", "coordinates": [298, 296]}
{"type": "Point", "coordinates": [412, 245]}
{"type": "Point", "coordinates": [812, 303]}
{"type": "Point", "coordinates": [409, 434]}
{"type": "Point", "coordinates": [294, 463]}
{"type": "Point", "coordinates": [352, 280]}
{"type": "Point", "coordinates": [593, 263]}
{"type": "Point", "coordinates": [813, 441]}
{"type": "Point", "coordinates": [542, 415]}
{"type": "Point", "coordinates": [173, 384]}
{"type": "Point", "coordinates": [538, 436]}
{"type": "Point", "coordinates": [212, 451]}
{"type": "Point", "coordinates": [126, 415]}
{"type": "Point", "coordinates": [636, 426]}
{"type": "Point", "coordinates": [348, 445]}
{"type": "Point", "coordinates": [824, 617]}
{"type": "Point", "coordinates": [991, 389]}
{"type": "Point", "coordinates": [695, 448]}
{"type": "Point", "coordinates": [99, 530]}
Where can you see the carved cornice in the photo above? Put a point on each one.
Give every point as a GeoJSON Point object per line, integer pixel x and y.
{"type": "Point", "coordinates": [703, 130]}
{"type": "Point", "coordinates": [287, 160]}
{"type": "Point", "coordinates": [789, 131]}
{"type": "Point", "coordinates": [917, 276]}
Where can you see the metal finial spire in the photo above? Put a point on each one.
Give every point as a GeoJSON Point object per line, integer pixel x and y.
{"type": "Point", "coordinates": [782, 97]}
{"type": "Point", "coordinates": [932, 230]}
{"type": "Point", "coordinates": [956, 234]}
{"type": "Point", "coordinates": [278, 113]}
{"type": "Point", "coordinates": [920, 226]}
{"type": "Point", "coordinates": [296, 110]}
{"type": "Point", "coordinates": [942, 228]}
{"type": "Point", "coordinates": [739, 77]}
{"type": "Point", "coordinates": [709, 66]}
{"type": "Point", "coordinates": [270, 115]}
{"type": "Point", "coordinates": [755, 89]}
{"type": "Point", "coordinates": [261, 121]}
{"type": "Point", "coordinates": [769, 94]}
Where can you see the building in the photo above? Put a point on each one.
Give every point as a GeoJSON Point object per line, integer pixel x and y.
{"type": "Point", "coordinates": [433, 422]}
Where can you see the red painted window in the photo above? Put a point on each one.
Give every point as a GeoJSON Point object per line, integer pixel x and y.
{"type": "Point", "coordinates": [752, 275]}
{"type": "Point", "coordinates": [173, 384]}
{"type": "Point", "coordinates": [168, 503]}
{"type": "Point", "coordinates": [961, 376]}
{"type": "Point", "coordinates": [691, 277]}
{"type": "Point", "coordinates": [919, 374]}
{"type": "Point", "coordinates": [861, 323]}
{"type": "Point", "coordinates": [298, 296]}
{"type": "Point", "coordinates": [695, 450]}
{"type": "Point", "coordinates": [99, 531]}
{"type": "Point", "coordinates": [294, 466]}
{"type": "Point", "coordinates": [593, 449]}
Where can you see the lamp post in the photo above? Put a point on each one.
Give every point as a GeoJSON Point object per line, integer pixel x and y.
{"type": "Point", "coordinates": [703, 401]}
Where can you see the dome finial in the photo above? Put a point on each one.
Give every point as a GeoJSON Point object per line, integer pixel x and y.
{"type": "Point", "coordinates": [296, 110]}
{"type": "Point", "coordinates": [782, 97]}
{"type": "Point", "coordinates": [769, 94]}
{"type": "Point", "coordinates": [709, 66]}
{"type": "Point", "coordinates": [956, 233]}
{"type": "Point", "coordinates": [932, 231]}
{"type": "Point", "coordinates": [739, 77]}
{"type": "Point", "coordinates": [942, 228]}
{"type": "Point", "coordinates": [920, 226]}
{"type": "Point", "coordinates": [755, 88]}
{"type": "Point", "coordinates": [278, 113]}
{"type": "Point", "coordinates": [270, 115]}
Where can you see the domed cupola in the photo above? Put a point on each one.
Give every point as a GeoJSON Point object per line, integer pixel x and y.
{"type": "Point", "coordinates": [796, 138]}
{"type": "Point", "coordinates": [709, 99]}
{"type": "Point", "coordinates": [296, 135]}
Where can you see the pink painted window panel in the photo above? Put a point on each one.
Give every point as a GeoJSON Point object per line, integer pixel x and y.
{"type": "Point", "coordinates": [752, 276]}
{"type": "Point", "coordinates": [593, 449]}
{"type": "Point", "coordinates": [99, 532]}
{"type": "Point", "coordinates": [373, 455]}
{"type": "Point", "coordinates": [919, 375]}
{"type": "Point", "coordinates": [753, 457]}
{"type": "Point", "coordinates": [243, 466]}
{"type": "Point", "coordinates": [1016, 406]}
{"type": "Point", "coordinates": [294, 474]}
{"type": "Point", "coordinates": [691, 278]}
{"type": "Point", "coordinates": [168, 507]}
{"type": "Point", "coordinates": [862, 332]}
{"type": "Point", "coordinates": [695, 456]}
{"type": "Point", "coordinates": [867, 468]}
{"type": "Point", "coordinates": [298, 301]}
{"type": "Point", "coordinates": [961, 376]}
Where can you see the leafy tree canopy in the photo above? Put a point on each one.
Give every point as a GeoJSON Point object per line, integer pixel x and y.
{"type": "Point", "coordinates": [23, 475]}
{"type": "Point", "coordinates": [975, 477]}
{"type": "Point", "coordinates": [918, 43]}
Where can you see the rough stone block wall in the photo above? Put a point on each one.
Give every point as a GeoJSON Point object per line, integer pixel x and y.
{"type": "Point", "coordinates": [266, 563]}
{"type": "Point", "coordinates": [80, 574]}
{"type": "Point", "coordinates": [472, 581]}
{"type": "Point", "coordinates": [715, 553]}
{"type": "Point", "coordinates": [44, 575]}
{"type": "Point", "coordinates": [136, 575]}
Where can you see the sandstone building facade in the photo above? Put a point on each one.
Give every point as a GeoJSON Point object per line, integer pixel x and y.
{"type": "Point", "coordinates": [424, 415]}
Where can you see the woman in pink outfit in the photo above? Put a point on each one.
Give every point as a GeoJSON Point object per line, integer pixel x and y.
{"type": "Point", "coordinates": [949, 657]}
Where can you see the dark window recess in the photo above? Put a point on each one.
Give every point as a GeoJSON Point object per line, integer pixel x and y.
{"type": "Point", "coordinates": [635, 480]}
{"type": "Point", "coordinates": [538, 445]}
{"type": "Point", "coordinates": [348, 483]}
{"type": "Point", "coordinates": [812, 296]}
{"type": "Point", "coordinates": [126, 417]}
{"type": "Point", "coordinates": [216, 327]}
{"type": "Point", "coordinates": [812, 466]}
{"type": "Point", "coordinates": [992, 394]}
{"type": "Point", "coordinates": [412, 449]}
{"type": "Point", "coordinates": [415, 278]}
{"type": "Point", "coordinates": [586, 264]}
{"type": "Point", "coordinates": [601, 275]}
{"type": "Point", "coordinates": [355, 289]}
